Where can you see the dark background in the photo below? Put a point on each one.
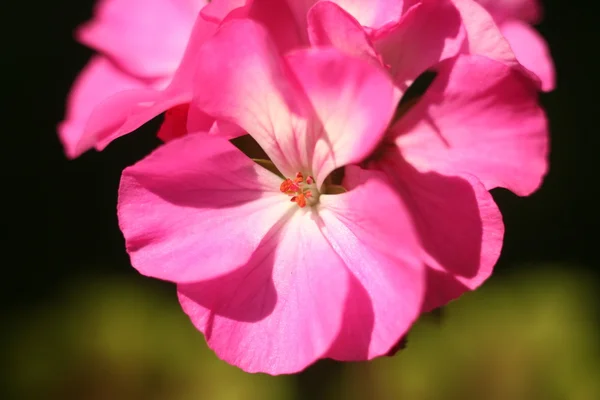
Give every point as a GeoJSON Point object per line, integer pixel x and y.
{"type": "Point", "coordinates": [59, 215]}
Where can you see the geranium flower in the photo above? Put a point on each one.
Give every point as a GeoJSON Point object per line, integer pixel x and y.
{"type": "Point", "coordinates": [140, 45]}
{"type": "Point", "coordinates": [275, 270]}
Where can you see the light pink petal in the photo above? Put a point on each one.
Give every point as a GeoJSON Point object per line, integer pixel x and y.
{"type": "Point", "coordinates": [482, 118]}
{"type": "Point", "coordinates": [353, 100]}
{"type": "Point", "coordinates": [259, 97]}
{"type": "Point", "coordinates": [275, 15]}
{"type": "Point", "coordinates": [145, 37]}
{"type": "Point", "coordinates": [99, 80]}
{"type": "Point", "coordinates": [373, 13]}
{"type": "Point", "coordinates": [428, 33]}
{"type": "Point", "coordinates": [460, 227]}
{"type": "Point", "coordinates": [319, 110]}
{"type": "Point", "coordinates": [524, 10]}
{"type": "Point", "coordinates": [330, 25]}
{"type": "Point", "coordinates": [531, 51]}
{"type": "Point", "coordinates": [281, 311]}
{"type": "Point", "coordinates": [371, 230]}
{"type": "Point", "coordinates": [128, 110]}
{"type": "Point", "coordinates": [197, 208]}
{"type": "Point", "coordinates": [483, 35]}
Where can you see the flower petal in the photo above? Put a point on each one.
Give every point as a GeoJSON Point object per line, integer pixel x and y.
{"type": "Point", "coordinates": [257, 97]}
{"type": "Point", "coordinates": [428, 33]}
{"type": "Point", "coordinates": [373, 13]}
{"type": "Point", "coordinates": [281, 311]}
{"type": "Point", "coordinates": [319, 109]}
{"type": "Point", "coordinates": [372, 232]}
{"type": "Point", "coordinates": [353, 100]}
{"type": "Point", "coordinates": [482, 118]}
{"type": "Point", "coordinates": [128, 110]}
{"type": "Point", "coordinates": [145, 37]}
{"type": "Point", "coordinates": [524, 10]}
{"type": "Point", "coordinates": [330, 25]}
{"type": "Point", "coordinates": [459, 225]}
{"type": "Point", "coordinates": [531, 51]}
{"type": "Point", "coordinates": [97, 81]}
{"type": "Point", "coordinates": [483, 35]}
{"type": "Point", "coordinates": [197, 208]}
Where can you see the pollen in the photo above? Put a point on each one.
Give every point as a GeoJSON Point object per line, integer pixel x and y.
{"type": "Point", "coordinates": [303, 191]}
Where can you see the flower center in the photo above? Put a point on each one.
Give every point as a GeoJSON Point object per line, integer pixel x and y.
{"type": "Point", "coordinates": [302, 191]}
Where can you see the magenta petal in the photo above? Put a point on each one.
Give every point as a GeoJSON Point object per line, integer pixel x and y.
{"type": "Point", "coordinates": [197, 208]}
{"type": "Point", "coordinates": [329, 25]}
{"type": "Point", "coordinates": [145, 37]}
{"type": "Point", "coordinates": [493, 130]}
{"type": "Point", "coordinates": [174, 123]}
{"type": "Point", "coordinates": [428, 33]}
{"type": "Point", "coordinates": [531, 51]}
{"type": "Point", "coordinates": [281, 311]}
{"type": "Point", "coordinates": [97, 81]}
{"type": "Point", "coordinates": [373, 234]}
{"type": "Point", "coordinates": [459, 225]}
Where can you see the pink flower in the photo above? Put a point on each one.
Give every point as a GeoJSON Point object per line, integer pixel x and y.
{"type": "Point", "coordinates": [140, 45]}
{"type": "Point", "coordinates": [277, 272]}
{"type": "Point", "coordinates": [514, 18]}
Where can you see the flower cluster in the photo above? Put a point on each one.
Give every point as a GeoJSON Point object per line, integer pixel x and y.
{"type": "Point", "coordinates": [371, 204]}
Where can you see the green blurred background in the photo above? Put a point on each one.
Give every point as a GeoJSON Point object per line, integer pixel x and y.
{"type": "Point", "coordinates": [78, 323]}
{"type": "Point", "coordinates": [531, 335]}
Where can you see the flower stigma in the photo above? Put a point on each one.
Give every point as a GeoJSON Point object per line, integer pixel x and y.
{"type": "Point", "coordinates": [302, 191]}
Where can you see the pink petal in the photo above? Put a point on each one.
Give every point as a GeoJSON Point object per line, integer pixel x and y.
{"type": "Point", "coordinates": [373, 13]}
{"type": "Point", "coordinates": [197, 208]}
{"type": "Point", "coordinates": [278, 18]}
{"type": "Point", "coordinates": [531, 51]}
{"type": "Point", "coordinates": [318, 110]}
{"type": "Point", "coordinates": [97, 81]}
{"type": "Point", "coordinates": [482, 118]}
{"type": "Point", "coordinates": [459, 225]}
{"type": "Point", "coordinates": [259, 98]}
{"type": "Point", "coordinates": [275, 15]}
{"type": "Point", "coordinates": [483, 35]}
{"type": "Point", "coordinates": [329, 25]}
{"type": "Point", "coordinates": [281, 311]}
{"type": "Point", "coordinates": [524, 10]}
{"type": "Point", "coordinates": [372, 233]}
{"type": "Point", "coordinates": [145, 37]}
{"type": "Point", "coordinates": [428, 33]}
{"type": "Point", "coordinates": [353, 100]}
{"type": "Point", "coordinates": [217, 10]}
{"type": "Point", "coordinates": [128, 110]}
